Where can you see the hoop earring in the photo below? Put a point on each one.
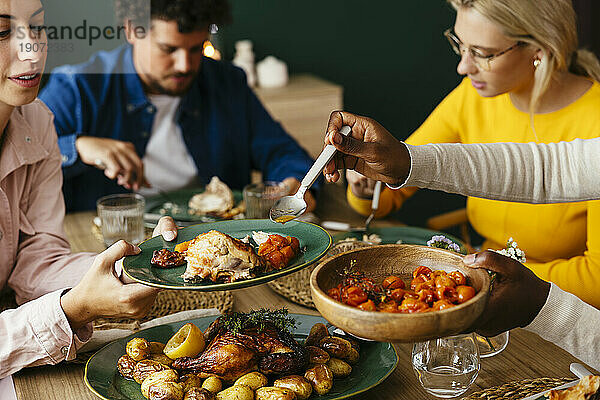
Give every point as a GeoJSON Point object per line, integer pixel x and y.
{"type": "Point", "coordinates": [536, 63]}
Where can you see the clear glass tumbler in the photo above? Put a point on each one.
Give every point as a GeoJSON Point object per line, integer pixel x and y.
{"type": "Point", "coordinates": [122, 217]}
{"type": "Point", "coordinates": [260, 197]}
{"type": "Point", "coordinates": [446, 367]}
{"type": "Point", "coordinates": [490, 346]}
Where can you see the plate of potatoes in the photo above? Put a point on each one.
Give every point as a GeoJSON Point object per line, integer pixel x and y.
{"type": "Point", "coordinates": [111, 373]}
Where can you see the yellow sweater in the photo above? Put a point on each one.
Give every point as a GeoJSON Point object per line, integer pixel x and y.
{"type": "Point", "coordinates": [561, 241]}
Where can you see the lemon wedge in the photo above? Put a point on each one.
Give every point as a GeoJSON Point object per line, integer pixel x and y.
{"type": "Point", "coordinates": [187, 342]}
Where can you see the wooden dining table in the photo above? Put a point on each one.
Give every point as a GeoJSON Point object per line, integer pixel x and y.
{"type": "Point", "coordinates": [527, 356]}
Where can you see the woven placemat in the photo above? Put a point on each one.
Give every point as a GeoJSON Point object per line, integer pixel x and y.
{"type": "Point", "coordinates": [170, 302]}
{"type": "Point", "coordinates": [518, 389]}
{"type": "Point", "coordinates": [296, 287]}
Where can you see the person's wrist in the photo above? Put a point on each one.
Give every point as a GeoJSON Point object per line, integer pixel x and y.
{"type": "Point", "coordinates": [401, 167]}
{"type": "Point", "coordinates": [540, 294]}
{"type": "Point", "coordinates": [76, 309]}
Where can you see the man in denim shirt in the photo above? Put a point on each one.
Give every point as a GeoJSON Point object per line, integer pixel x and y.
{"type": "Point", "coordinates": [156, 115]}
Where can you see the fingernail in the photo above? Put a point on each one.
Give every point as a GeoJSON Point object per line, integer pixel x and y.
{"type": "Point", "coordinates": [337, 138]}
{"type": "Point", "coordinates": [469, 259]}
{"type": "Point", "coordinates": [136, 249]}
{"type": "Point", "coordinates": [168, 235]}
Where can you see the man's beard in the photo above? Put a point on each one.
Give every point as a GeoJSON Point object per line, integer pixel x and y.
{"type": "Point", "coordinates": [155, 86]}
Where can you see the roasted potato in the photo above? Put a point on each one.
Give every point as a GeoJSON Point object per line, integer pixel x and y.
{"type": "Point", "coordinates": [156, 347]}
{"type": "Point", "coordinates": [212, 384]}
{"type": "Point", "coordinates": [316, 355]}
{"type": "Point", "coordinates": [167, 375]}
{"type": "Point", "coordinates": [275, 393]}
{"type": "Point", "coordinates": [352, 357]}
{"type": "Point", "coordinates": [138, 348]}
{"type": "Point", "coordinates": [190, 381]}
{"type": "Point", "coordinates": [236, 392]}
{"type": "Point", "coordinates": [297, 384]}
{"type": "Point", "coordinates": [339, 368]}
{"type": "Point", "coordinates": [317, 332]}
{"type": "Point", "coordinates": [353, 342]}
{"type": "Point", "coordinates": [145, 368]}
{"type": "Point", "coordinates": [161, 358]}
{"type": "Point", "coordinates": [199, 394]}
{"type": "Point", "coordinates": [253, 380]}
{"type": "Point", "coordinates": [320, 378]}
{"type": "Point", "coordinates": [168, 390]}
{"type": "Point", "coordinates": [126, 366]}
{"type": "Point", "coordinates": [336, 347]}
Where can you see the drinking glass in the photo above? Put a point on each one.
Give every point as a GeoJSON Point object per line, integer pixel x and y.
{"type": "Point", "coordinates": [490, 346]}
{"type": "Point", "coordinates": [446, 367]}
{"type": "Point", "coordinates": [260, 197]}
{"type": "Point", "coordinates": [122, 217]}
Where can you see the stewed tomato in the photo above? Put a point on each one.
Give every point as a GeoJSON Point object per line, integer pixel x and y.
{"type": "Point", "coordinates": [393, 282]}
{"type": "Point", "coordinates": [441, 305]}
{"type": "Point", "coordinates": [353, 296]}
{"type": "Point", "coordinates": [368, 305]}
{"type": "Point", "coordinates": [458, 278]}
{"type": "Point", "coordinates": [465, 293]}
{"type": "Point", "coordinates": [421, 270]}
{"type": "Point", "coordinates": [410, 305]}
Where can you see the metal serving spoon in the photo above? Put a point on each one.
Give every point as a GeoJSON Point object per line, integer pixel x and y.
{"type": "Point", "coordinates": [289, 207]}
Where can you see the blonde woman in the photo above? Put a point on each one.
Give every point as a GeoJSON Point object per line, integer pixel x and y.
{"type": "Point", "coordinates": [525, 81]}
{"type": "Point", "coordinates": [60, 293]}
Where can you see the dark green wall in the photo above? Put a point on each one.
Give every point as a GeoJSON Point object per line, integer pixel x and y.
{"type": "Point", "coordinates": [390, 56]}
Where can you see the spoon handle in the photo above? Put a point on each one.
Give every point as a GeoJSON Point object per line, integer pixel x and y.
{"type": "Point", "coordinates": [314, 171]}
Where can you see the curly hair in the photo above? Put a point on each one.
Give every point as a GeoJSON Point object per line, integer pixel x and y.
{"type": "Point", "coordinates": [190, 15]}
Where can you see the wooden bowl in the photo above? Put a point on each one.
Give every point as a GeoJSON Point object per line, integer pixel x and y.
{"type": "Point", "coordinates": [378, 262]}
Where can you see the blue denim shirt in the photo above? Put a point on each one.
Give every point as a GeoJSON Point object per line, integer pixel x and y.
{"type": "Point", "coordinates": [225, 127]}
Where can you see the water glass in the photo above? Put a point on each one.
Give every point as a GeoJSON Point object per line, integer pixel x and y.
{"type": "Point", "coordinates": [446, 367]}
{"type": "Point", "coordinates": [122, 217]}
{"type": "Point", "coordinates": [260, 197]}
{"type": "Point", "coordinates": [490, 346]}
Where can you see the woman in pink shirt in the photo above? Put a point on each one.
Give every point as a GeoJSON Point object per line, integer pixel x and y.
{"type": "Point", "coordinates": [60, 294]}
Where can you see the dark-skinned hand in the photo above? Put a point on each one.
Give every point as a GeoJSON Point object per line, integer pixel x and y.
{"type": "Point", "coordinates": [517, 295]}
{"type": "Point", "coordinates": [370, 150]}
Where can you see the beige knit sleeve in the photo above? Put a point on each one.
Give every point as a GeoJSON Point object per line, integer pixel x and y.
{"type": "Point", "coordinates": [521, 172]}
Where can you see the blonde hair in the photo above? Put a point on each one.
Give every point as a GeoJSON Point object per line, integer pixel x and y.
{"type": "Point", "coordinates": [548, 25]}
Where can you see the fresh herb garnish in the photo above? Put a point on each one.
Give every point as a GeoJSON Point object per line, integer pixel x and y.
{"type": "Point", "coordinates": [236, 322]}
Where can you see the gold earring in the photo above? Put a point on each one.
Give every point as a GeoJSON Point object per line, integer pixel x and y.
{"type": "Point", "coordinates": [536, 62]}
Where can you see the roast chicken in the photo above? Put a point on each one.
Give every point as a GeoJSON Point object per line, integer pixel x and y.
{"type": "Point", "coordinates": [229, 355]}
{"type": "Point", "coordinates": [220, 258]}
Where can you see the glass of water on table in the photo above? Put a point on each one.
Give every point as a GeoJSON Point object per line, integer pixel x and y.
{"type": "Point", "coordinates": [446, 367]}
{"type": "Point", "coordinates": [122, 217]}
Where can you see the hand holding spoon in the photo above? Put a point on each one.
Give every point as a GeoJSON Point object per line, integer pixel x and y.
{"type": "Point", "coordinates": [290, 207]}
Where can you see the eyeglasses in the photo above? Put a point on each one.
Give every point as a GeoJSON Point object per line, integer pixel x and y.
{"type": "Point", "coordinates": [481, 60]}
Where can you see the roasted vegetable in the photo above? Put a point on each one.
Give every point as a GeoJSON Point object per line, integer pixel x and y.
{"type": "Point", "coordinates": [138, 348]}
{"type": "Point", "coordinates": [321, 378]}
{"type": "Point", "coordinates": [236, 392]}
{"type": "Point", "coordinates": [296, 383]}
{"type": "Point", "coordinates": [126, 366]}
{"type": "Point", "coordinates": [275, 393]}
{"type": "Point", "coordinates": [352, 357]}
{"type": "Point", "coordinates": [190, 381]}
{"type": "Point", "coordinates": [167, 375]}
{"type": "Point", "coordinates": [199, 394]}
{"type": "Point", "coordinates": [161, 358]}
{"type": "Point", "coordinates": [253, 380]}
{"type": "Point", "coordinates": [156, 347]}
{"type": "Point", "coordinates": [339, 368]}
{"type": "Point", "coordinates": [212, 384]}
{"type": "Point", "coordinates": [165, 391]}
{"type": "Point", "coordinates": [317, 332]}
{"type": "Point", "coordinates": [317, 355]}
{"type": "Point", "coordinates": [336, 347]}
{"type": "Point", "coordinates": [145, 368]}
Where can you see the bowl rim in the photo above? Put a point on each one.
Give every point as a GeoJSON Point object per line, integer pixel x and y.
{"type": "Point", "coordinates": [316, 290]}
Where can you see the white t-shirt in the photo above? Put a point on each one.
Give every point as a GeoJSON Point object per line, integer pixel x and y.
{"type": "Point", "coordinates": [168, 165]}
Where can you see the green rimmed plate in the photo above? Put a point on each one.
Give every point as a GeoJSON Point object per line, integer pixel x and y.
{"type": "Point", "coordinates": [180, 198]}
{"type": "Point", "coordinates": [377, 362]}
{"type": "Point", "coordinates": [313, 239]}
{"type": "Point", "coordinates": [408, 235]}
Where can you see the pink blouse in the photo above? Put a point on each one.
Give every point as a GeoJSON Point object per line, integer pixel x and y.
{"type": "Point", "coordinates": [35, 258]}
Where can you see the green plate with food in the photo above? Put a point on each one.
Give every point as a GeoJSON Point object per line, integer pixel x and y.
{"type": "Point", "coordinates": [206, 204]}
{"type": "Point", "coordinates": [374, 362]}
{"type": "Point", "coordinates": [227, 255]}
{"type": "Point", "coordinates": [398, 234]}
